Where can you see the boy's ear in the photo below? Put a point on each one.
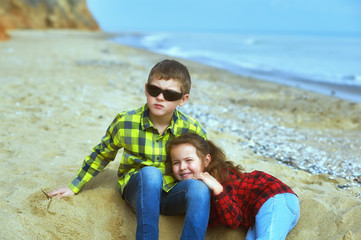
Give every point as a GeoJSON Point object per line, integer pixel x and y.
{"type": "Point", "coordinates": [208, 160]}
{"type": "Point", "coordinates": [184, 99]}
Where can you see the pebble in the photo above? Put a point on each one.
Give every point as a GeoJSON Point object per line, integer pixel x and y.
{"type": "Point", "coordinates": [289, 146]}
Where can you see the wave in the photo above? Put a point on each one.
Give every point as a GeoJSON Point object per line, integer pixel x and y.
{"type": "Point", "coordinates": [286, 60]}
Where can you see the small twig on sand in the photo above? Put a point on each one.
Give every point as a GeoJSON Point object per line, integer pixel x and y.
{"type": "Point", "coordinates": [49, 199]}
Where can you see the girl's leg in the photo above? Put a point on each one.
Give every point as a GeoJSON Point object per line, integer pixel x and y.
{"type": "Point", "coordinates": [191, 197]}
{"type": "Point", "coordinates": [276, 218]}
{"type": "Point", "coordinates": [143, 194]}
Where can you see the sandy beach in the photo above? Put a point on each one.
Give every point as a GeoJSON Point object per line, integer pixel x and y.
{"type": "Point", "coordinates": [61, 89]}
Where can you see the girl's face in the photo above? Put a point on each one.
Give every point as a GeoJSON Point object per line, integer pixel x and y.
{"type": "Point", "coordinates": [186, 163]}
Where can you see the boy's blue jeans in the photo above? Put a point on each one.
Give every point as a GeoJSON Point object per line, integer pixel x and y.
{"type": "Point", "coordinates": [145, 195]}
{"type": "Point", "coordinates": [276, 218]}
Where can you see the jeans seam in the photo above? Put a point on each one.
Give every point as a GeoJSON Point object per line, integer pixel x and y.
{"type": "Point", "coordinates": [140, 188]}
{"type": "Point", "coordinates": [289, 206]}
{"type": "Point", "coordinates": [126, 198]}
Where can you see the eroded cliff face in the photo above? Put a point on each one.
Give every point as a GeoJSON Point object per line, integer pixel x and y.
{"type": "Point", "coordinates": [42, 14]}
{"type": "Point", "coordinates": [3, 34]}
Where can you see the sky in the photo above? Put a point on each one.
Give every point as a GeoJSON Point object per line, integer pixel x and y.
{"type": "Point", "coordinates": [283, 16]}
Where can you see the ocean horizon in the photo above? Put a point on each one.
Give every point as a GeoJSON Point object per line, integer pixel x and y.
{"type": "Point", "coordinates": [327, 64]}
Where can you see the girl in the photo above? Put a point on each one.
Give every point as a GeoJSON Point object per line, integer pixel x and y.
{"type": "Point", "coordinates": [256, 200]}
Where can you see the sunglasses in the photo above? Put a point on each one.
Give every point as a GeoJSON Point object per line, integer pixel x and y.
{"type": "Point", "coordinates": [168, 95]}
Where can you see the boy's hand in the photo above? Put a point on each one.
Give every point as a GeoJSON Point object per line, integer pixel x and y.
{"type": "Point", "coordinates": [210, 181]}
{"type": "Point", "coordinates": [62, 192]}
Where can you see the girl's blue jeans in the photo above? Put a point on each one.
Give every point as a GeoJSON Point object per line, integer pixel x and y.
{"type": "Point", "coordinates": [145, 195]}
{"type": "Point", "coordinates": [276, 218]}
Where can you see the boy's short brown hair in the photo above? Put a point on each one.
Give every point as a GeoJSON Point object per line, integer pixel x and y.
{"type": "Point", "coordinates": [172, 69]}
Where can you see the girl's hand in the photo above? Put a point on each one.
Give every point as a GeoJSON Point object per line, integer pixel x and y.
{"type": "Point", "coordinates": [210, 181]}
{"type": "Point", "coordinates": [62, 192]}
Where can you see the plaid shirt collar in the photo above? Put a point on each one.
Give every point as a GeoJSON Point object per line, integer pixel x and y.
{"type": "Point", "coordinates": [146, 123]}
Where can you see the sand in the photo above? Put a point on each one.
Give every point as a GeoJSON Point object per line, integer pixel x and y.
{"type": "Point", "coordinates": [61, 89]}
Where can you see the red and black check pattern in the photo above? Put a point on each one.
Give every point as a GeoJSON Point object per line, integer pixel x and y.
{"type": "Point", "coordinates": [242, 197]}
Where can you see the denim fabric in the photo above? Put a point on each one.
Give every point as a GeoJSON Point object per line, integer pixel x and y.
{"type": "Point", "coordinates": [191, 197]}
{"type": "Point", "coordinates": [144, 194]}
{"type": "Point", "coordinates": [276, 218]}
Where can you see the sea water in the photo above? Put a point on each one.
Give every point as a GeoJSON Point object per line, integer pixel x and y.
{"type": "Point", "coordinates": [328, 64]}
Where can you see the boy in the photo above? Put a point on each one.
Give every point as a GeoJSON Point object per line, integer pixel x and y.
{"type": "Point", "coordinates": [144, 134]}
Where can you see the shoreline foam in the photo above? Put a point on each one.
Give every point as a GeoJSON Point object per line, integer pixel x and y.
{"type": "Point", "coordinates": [346, 87]}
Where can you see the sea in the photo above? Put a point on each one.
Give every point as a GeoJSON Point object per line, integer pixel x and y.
{"type": "Point", "coordinates": [327, 64]}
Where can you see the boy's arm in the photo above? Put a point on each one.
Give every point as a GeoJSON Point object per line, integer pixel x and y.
{"type": "Point", "coordinates": [100, 157]}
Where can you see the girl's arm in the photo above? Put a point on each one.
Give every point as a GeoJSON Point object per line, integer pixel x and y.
{"type": "Point", "coordinates": [212, 183]}
{"type": "Point", "coordinates": [229, 212]}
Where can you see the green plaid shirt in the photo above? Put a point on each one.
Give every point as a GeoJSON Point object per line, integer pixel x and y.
{"type": "Point", "coordinates": [143, 146]}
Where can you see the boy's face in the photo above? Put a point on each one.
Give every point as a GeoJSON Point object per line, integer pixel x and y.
{"type": "Point", "coordinates": [185, 161]}
{"type": "Point", "coordinates": [160, 107]}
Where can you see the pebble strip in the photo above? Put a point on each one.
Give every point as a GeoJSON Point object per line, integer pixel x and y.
{"type": "Point", "coordinates": [309, 150]}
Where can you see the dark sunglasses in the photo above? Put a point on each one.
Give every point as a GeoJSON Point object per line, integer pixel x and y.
{"type": "Point", "coordinates": [169, 95]}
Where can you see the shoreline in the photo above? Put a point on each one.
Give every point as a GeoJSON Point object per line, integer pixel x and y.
{"type": "Point", "coordinates": [338, 90]}
{"type": "Point", "coordinates": [341, 91]}
{"type": "Point", "coordinates": [61, 90]}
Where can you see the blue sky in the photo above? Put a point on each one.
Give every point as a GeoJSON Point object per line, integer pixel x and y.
{"type": "Point", "coordinates": [310, 16]}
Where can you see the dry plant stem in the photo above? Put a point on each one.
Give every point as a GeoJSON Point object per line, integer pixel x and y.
{"type": "Point", "coordinates": [49, 199]}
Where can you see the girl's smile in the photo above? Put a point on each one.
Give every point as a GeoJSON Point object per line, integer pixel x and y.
{"type": "Point", "coordinates": [185, 161]}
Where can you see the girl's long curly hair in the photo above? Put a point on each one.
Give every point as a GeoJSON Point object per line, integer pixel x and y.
{"type": "Point", "coordinates": [219, 163]}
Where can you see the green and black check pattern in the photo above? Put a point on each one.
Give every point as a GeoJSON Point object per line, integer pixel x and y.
{"type": "Point", "coordinates": [142, 144]}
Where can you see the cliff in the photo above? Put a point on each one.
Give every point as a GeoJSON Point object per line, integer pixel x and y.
{"type": "Point", "coordinates": [43, 14]}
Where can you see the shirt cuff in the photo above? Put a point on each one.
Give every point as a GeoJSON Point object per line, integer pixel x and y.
{"type": "Point", "coordinates": [221, 199]}
{"type": "Point", "coordinates": [76, 185]}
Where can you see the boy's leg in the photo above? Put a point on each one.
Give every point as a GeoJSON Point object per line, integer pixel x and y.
{"type": "Point", "coordinates": [193, 198]}
{"type": "Point", "coordinates": [276, 218]}
{"type": "Point", "coordinates": [143, 195]}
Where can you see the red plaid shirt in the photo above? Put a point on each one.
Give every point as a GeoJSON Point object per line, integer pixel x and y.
{"type": "Point", "coordinates": [241, 199]}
